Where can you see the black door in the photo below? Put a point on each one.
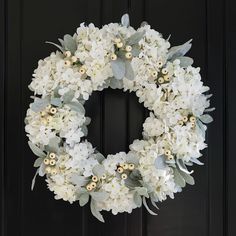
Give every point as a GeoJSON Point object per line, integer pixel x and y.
{"type": "Point", "coordinates": [206, 209]}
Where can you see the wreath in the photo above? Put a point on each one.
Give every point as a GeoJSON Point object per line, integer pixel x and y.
{"type": "Point", "coordinates": [119, 57]}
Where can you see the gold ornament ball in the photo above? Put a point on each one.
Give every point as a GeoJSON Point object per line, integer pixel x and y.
{"type": "Point", "coordinates": [103, 176]}
{"type": "Point", "coordinates": [128, 48]}
{"type": "Point", "coordinates": [159, 64]}
{"type": "Point", "coordinates": [170, 157]}
{"type": "Point", "coordinates": [128, 55]}
{"type": "Point", "coordinates": [166, 78]}
{"type": "Point", "coordinates": [119, 45]}
{"type": "Point", "coordinates": [53, 110]}
{"type": "Point", "coordinates": [131, 166]}
{"type": "Point", "coordinates": [167, 152]}
{"type": "Point", "coordinates": [120, 170]}
{"type": "Point", "coordinates": [192, 119]}
{"type": "Point", "coordinates": [164, 71]}
{"type": "Point", "coordinates": [185, 119]}
{"type": "Point", "coordinates": [89, 187]}
{"type": "Point", "coordinates": [154, 74]}
{"type": "Point", "coordinates": [125, 166]}
{"type": "Point", "coordinates": [180, 122]}
{"type": "Point", "coordinates": [52, 162]}
{"type": "Point", "coordinates": [117, 40]}
{"type": "Point", "coordinates": [93, 185]}
{"type": "Point", "coordinates": [67, 63]}
{"type": "Point", "coordinates": [82, 70]}
{"type": "Point", "coordinates": [74, 59]}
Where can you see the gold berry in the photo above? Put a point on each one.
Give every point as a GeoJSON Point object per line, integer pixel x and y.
{"type": "Point", "coordinates": [113, 57]}
{"type": "Point", "coordinates": [154, 73]}
{"type": "Point", "coordinates": [170, 157]}
{"type": "Point", "coordinates": [128, 55]}
{"type": "Point", "coordinates": [128, 48]}
{"type": "Point", "coordinates": [185, 119]}
{"type": "Point", "coordinates": [117, 40]}
{"type": "Point", "coordinates": [67, 63]}
{"type": "Point", "coordinates": [131, 166]}
{"type": "Point", "coordinates": [48, 169]}
{"type": "Point", "coordinates": [53, 171]}
{"type": "Point", "coordinates": [52, 162]}
{"type": "Point", "coordinates": [53, 110]}
{"type": "Point", "coordinates": [89, 187]}
{"type": "Point", "coordinates": [160, 80]}
{"type": "Point", "coordinates": [93, 185]}
{"type": "Point", "coordinates": [95, 178]}
{"type": "Point", "coordinates": [124, 176]}
{"type": "Point", "coordinates": [159, 64]}
{"type": "Point", "coordinates": [119, 45]}
{"type": "Point", "coordinates": [67, 53]}
{"type": "Point", "coordinates": [46, 161]}
{"type": "Point", "coordinates": [103, 176]}
{"type": "Point", "coordinates": [167, 152]}
{"type": "Point", "coordinates": [192, 119]}
{"type": "Point", "coordinates": [120, 170]}
{"type": "Point", "coordinates": [166, 78]}
{"type": "Point", "coordinates": [52, 155]}
{"type": "Point", "coordinates": [164, 71]}
{"type": "Point", "coordinates": [82, 70]}
{"type": "Point", "coordinates": [125, 166]}
{"type": "Point", "coordinates": [180, 122]}
{"type": "Point", "coordinates": [74, 59]}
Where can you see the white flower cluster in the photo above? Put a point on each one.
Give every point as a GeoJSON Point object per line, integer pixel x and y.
{"type": "Point", "coordinates": [164, 80]}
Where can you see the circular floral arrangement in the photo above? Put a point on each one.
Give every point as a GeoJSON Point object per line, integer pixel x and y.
{"type": "Point", "coordinates": [120, 57]}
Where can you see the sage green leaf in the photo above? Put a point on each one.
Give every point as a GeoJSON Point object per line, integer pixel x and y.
{"type": "Point", "coordinates": [206, 118]}
{"type": "Point", "coordinates": [142, 191]}
{"type": "Point", "coordinates": [53, 145]}
{"type": "Point", "coordinates": [87, 120]}
{"type": "Point", "coordinates": [78, 180]}
{"type": "Point", "coordinates": [98, 170]}
{"type": "Point", "coordinates": [95, 211]}
{"type": "Point", "coordinates": [36, 150]}
{"type": "Point", "coordinates": [99, 196]}
{"type": "Point", "coordinates": [125, 20]}
{"type": "Point", "coordinates": [42, 170]}
{"type": "Point", "coordinates": [146, 206]}
{"type": "Point", "coordinates": [185, 61]}
{"type": "Point", "coordinates": [76, 106]}
{"type": "Point", "coordinates": [160, 162]}
{"type": "Point", "coordinates": [33, 180]}
{"type": "Point", "coordinates": [67, 97]}
{"type": "Point", "coordinates": [137, 199]}
{"type": "Point", "coordinates": [70, 43]}
{"type": "Point", "coordinates": [135, 50]}
{"type": "Point", "coordinates": [179, 51]}
{"type": "Point", "coordinates": [135, 38]}
{"type": "Point", "coordinates": [83, 199]}
{"type": "Point", "coordinates": [38, 162]}
{"type": "Point", "coordinates": [56, 45]}
{"type": "Point", "coordinates": [196, 161]}
{"type": "Point", "coordinates": [182, 166]}
{"type": "Point", "coordinates": [118, 68]}
{"type": "Point", "coordinates": [132, 183]}
{"type": "Point", "coordinates": [201, 128]}
{"type": "Point", "coordinates": [188, 178]}
{"type": "Point", "coordinates": [39, 104]}
{"type": "Point", "coordinates": [178, 178]}
{"type": "Point", "coordinates": [84, 130]}
{"type": "Point", "coordinates": [56, 102]}
{"type": "Point", "coordinates": [99, 157]}
{"type": "Point", "coordinates": [115, 83]}
{"type": "Point", "coordinates": [154, 204]}
{"type": "Point", "coordinates": [131, 158]}
{"type": "Point", "coordinates": [129, 73]}
{"type": "Point", "coordinates": [210, 109]}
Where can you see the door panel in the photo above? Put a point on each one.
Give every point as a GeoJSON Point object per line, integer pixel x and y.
{"type": "Point", "coordinates": [205, 209]}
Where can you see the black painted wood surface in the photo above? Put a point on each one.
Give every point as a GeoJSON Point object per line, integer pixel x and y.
{"type": "Point", "coordinates": [206, 209]}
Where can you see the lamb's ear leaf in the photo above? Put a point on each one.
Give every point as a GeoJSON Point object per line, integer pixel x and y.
{"type": "Point", "coordinates": [154, 204]}
{"type": "Point", "coordinates": [38, 162]}
{"type": "Point", "coordinates": [78, 180]}
{"type": "Point", "coordinates": [182, 166]}
{"type": "Point", "coordinates": [179, 51]}
{"type": "Point", "coordinates": [99, 157]}
{"type": "Point", "coordinates": [125, 20]}
{"type": "Point", "coordinates": [146, 206]}
{"type": "Point", "coordinates": [178, 178]}
{"type": "Point", "coordinates": [83, 199]}
{"type": "Point", "coordinates": [68, 96]}
{"type": "Point", "coordinates": [129, 72]}
{"type": "Point", "coordinates": [196, 161]}
{"type": "Point", "coordinates": [39, 104]}
{"type": "Point", "coordinates": [53, 144]}
{"type": "Point", "coordinates": [99, 196]}
{"type": "Point", "coordinates": [99, 170]}
{"type": "Point", "coordinates": [56, 45]}
{"type": "Point", "coordinates": [118, 68]}
{"type": "Point", "coordinates": [70, 43]}
{"type": "Point", "coordinates": [95, 211]}
{"type": "Point", "coordinates": [144, 23]}
{"type": "Point", "coordinates": [115, 83]}
{"type": "Point", "coordinates": [33, 180]}
{"type": "Point", "coordinates": [160, 162]}
{"type": "Point", "coordinates": [76, 106]}
{"type": "Point", "coordinates": [206, 118]}
{"type": "Point", "coordinates": [36, 150]}
{"type": "Point", "coordinates": [137, 199]}
{"type": "Point", "coordinates": [185, 61]}
{"type": "Point", "coordinates": [42, 170]}
{"type": "Point", "coordinates": [135, 38]}
{"type": "Point", "coordinates": [56, 102]}
{"type": "Point", "coordinates": [188, 178]}
{"type": "Point", "coordinates": [84, 130]}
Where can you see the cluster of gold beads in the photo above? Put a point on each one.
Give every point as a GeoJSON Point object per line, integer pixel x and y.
{"type": "Point", "coordinates": [188, 119]}
{"type": "Point", "coordinates": [50, 162]}
{"type": "Point", "coordinates": [161, 77]}
{"type": "Point", "coordinates": [69, 58]}
{"type": "Point", "coordinates": [169, 156]}
{"type": "Point", "coordinates": [127, 49]}
{"type": "Point", "coordinates": [124, 169]}
{"type": "Point", "coordinates": [94, 182]}
{"type": "Point", "coordinates": [46, 114]}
